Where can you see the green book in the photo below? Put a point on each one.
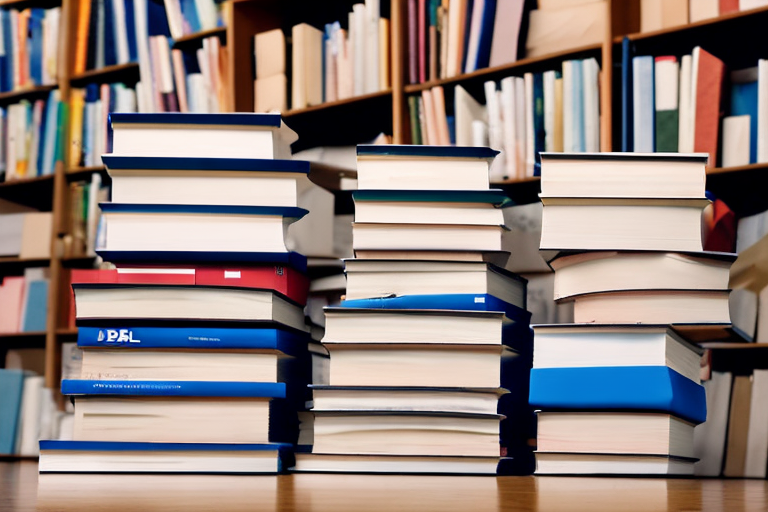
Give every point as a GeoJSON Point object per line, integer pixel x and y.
{"type": "Point", "coordinates": [413, 107]}
{"type": "Point", "coordinates": [666, 131]}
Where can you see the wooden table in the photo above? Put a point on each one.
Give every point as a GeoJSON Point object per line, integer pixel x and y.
{"type": "Point", "coordinates": [22, 489]}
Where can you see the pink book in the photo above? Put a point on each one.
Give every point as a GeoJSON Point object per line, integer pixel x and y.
{"type": "Point", "coordinates": [432, 138]}
{"type": "Point", "coordinates": [422, 21]}
{"type": "Point", "coordinates": [441, 120]}
{"type": "Point", "coordinates": [11, 296]}
{"type": "Point", "coordinates": [105, 100]}
{"type": "Point", "coordinates": [180, 76]}
{"type": "Point", "coordinates": [413, 74]}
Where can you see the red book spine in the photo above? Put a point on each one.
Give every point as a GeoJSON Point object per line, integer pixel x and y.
{"type": "Point", "coordinates": [709, 85]}
{"type": "Point", "coordinates": [727, 6]}
{"type": "Point", "coordinates": [139, 277]}
{"type": "Point", "coordinates": [78, 276]}
{"type": "Point", "coordinates": [413, 75]}
{"type": "Point", "coordinates": [285, 280]}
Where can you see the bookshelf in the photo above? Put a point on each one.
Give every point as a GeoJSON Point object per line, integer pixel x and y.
{"type": "Point", "coordinates": [361, 118]}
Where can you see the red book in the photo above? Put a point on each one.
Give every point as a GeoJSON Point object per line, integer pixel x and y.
{"type": "Point", "coordinates": [727, 6]}
{"type": "Point", "coordinates": [155, 275]}
{"type": "Point", "coordinates": [708, 73]}
{"type": "Point", "coordinates": [285, 280]}
{"type": "Point", "coordinates": [721, 230]}
{"type": "Point", "coordinates": [11, 297]}
{"type": "Point", "coordinates": [422, 41]}
{"type": "Point", "coordinates": [413, 74]}
{"type": "Point", "coordinates": [86, 276]}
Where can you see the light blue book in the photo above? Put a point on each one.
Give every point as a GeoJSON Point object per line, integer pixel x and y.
{"type": "Point", "coordinates": [36, 307]}
{"type": "Point", "coordinates": [11, 387]}
{"type": "Point", "coordinates": [643, 104]}
{"type": "Point", "coordinates": [579, 137]}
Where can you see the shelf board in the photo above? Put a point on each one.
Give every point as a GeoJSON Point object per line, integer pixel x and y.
{"type": "Point", "coordinates": [34, 192]}
{"type": "Point", "coordinates": [22, 340]}
{"type": "Point", "coordinates": [75, 173]}
{"type": "Point", "coordinates": [197, 38]}
{"type": "Point", "coordinates": [14, 261]}
{"type": "Point", "coordinates": [639, 36]}
{"type": "Point", "coordinates": [491, 73]}
{"type": "Point", "coordinates": [16, 458]}
{"type": "Point", "coordinates": [39, 91]}
{"type": "Point", "coordinates": [741, 188]}
{"type": "Point", "coordinates": [119, 72]}
{"type": "Point", "coordinates": [334, 104]}
{"type": "Point", "coordinates": [24, 4]}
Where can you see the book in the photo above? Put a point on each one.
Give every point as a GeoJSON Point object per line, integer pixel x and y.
{"type": "Point", "coordinates": [614, 433]}
{"type": "Point", "coordinates": [269, 52]}
{"type": "Point", "coordinates": [11, 304]}
{"type": "Point", "coordinates": [270, 94]}
{"type": "Point", "coordinates": [744, 102]}
{"type": "Point", "coordinates": [168, 227]}
{"type": "Point", "coordinates": [602, 464]}
{"type": "Point", "coordinates": [709, 437]}
{"type": "Point", "coordinates": [738, 426]}
{"type": "Point", "coordinates": [582, 346]}
{"type": "Point", "coordinates": [595, 175]}
{"type": "Point", "coordinates": [212, 181]}
{"type": "Point", "coordinates": [128, 457]}
{"type": "Point", "coordinates": [99, 302]}
{"type": "Point", "coordinates": [660, 14]}
{"type": "Point", "coordinates": [599, 271]}
{"type": "Point", "coordinates": [672, 225]}
{"type": "Point", "coordinates": [757, 432]}
{"type": "Point", "coordinates": [30, 415]}
{"type": "Point", "coordinates": [505, 43]}
{"type": "Point", "coordinates": [703, 9]}
{"type": "Point", "coordinates": [708, 72]}
{"type": "Point", "coordinates": [435, 237]}
{"type": "Point", "coordinates": [736, 141]}
{"type": "Point", "coordinates": [397, 464]}
{"type": "Point", "coordinates": [34, 317]}
{"type": "Point", "coordinates": [467, 111]}
{"type": "Point", "coordinates": [696, 307]}
{"type": "Point", "coordinates": [306, 62]}
{"type": "Point", "coordinates": [239, 135]}
{"type": "Point", "coordinates": [480, 36]}
{"type": "Point", "coordinates": [572, 26]}
{"type": "Point", "coordinates": [293, 259]}
{"type": "Point", "coordinates": [423, 167]}
{"type": "Point", "coordinates": [12, 382]}
{"type": "Point", "coordinates": [643, 104]}
{"type": "Point", "coordinates": [386, 278]}
{"type": "Point", "coordinates": [614, 388]}
{"type": "Point", "coordinates": [666, 77]}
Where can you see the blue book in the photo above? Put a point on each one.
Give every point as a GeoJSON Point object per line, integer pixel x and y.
{"type": "Point", "coordinates": [189, 11]}
{"type": "Point", "coordinates": [539, 134]}
{"type": "Point", "coordinates": [470, 4]}
{"type": "Point", "coordinates": [291, 212]}
{"type": "Point", "coordinates": [6, 59]}
{"type": "Point", "coordinates": [579, 140]}
{"type": "Point", "coordinates": [36, 45]}
{"type": "Point", "coordinates": [627, 135]}
{"type": "Point", "coordinates": [173, 388]}
{"type": "Point", "coordinates": [157, 19]}
{"type": "Point", "coordinates": [130, 28]}
{"type": "Point", "coordinates": [12, 385]}
{"type": "Point", "coordinates": [643, 105]}
{"type": "Point", "coordinates": [231, 119]}
{"type": "Point", "coordinates": [449, 302]}
{"type": "Point", "coordinates": [644, 388]}
{"type": "Point", "coordinates": [426, 151]}
{"type": "Point", "coordinates": [163, 163]}
{"type": "Point", "coordinates": [36, 306]}
{"type": "Point", "coordinates": [451, 122]}
{"type": "Point", "coordinates": [744, 103]}
{"type": "Point", "coordinates": [486, 35]}
{"type": "Point", "coordinates": [110, 35]}
{"type": "Point", "coordinates": [293, 259]}
{"type": "Point", "coordinates": [497, 198]}
{"type": "Point", "coordinates": [130, 337]}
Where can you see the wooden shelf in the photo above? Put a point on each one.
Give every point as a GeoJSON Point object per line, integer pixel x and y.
{"type": "Point", "coordinates": [494, 72]}
{"type": "Point", "coordinates": [12, 261]}
{"type": "Point", "coordinates": [335, 104]}
{"type": "Point", "coordinates": [34, 192]}
{"type": "Point", "coordinates": [22, 340]}
{"type": "Point", "coordinates": [15, 458]}
{"type": "Point", "coordinates": [196, 39]}
{"type": "Point", "coordinates": [118, 73]}
{"type": "Point", "coordinates": [41, 91]}
{"type": "Point", "coordinates": [75, 173]}
{"type": "Point", "coordinates": [22, 182]}
{"type": "Point", "coordinates": [24, 4]}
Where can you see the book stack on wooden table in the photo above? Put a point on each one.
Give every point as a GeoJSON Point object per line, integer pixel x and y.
{"type": "Point", "coordinates": [430, 353]}
{"type": "Point", "coordinates": [618, 391]}
{"type": "Point", "coordinates": [195, 346]}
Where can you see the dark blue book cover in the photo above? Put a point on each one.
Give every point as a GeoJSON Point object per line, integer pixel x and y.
{"type": "Point", "coordinates": [93, 34]}
{"type": "Point", "coordinates": [6, 60]}
{"type": "Point", "coordinates": [173, 388]}
{"type": "Point", "coordinates": [130, 28]}
{"type": "Point", "coordinates": [744, 103]}
{"type": "Point", "coordinates": [230, 119]}
{"type": "Point", "coordinates": [539, 134]}
{"type": "Point", "coordinates": [291, 212]}
{"type": "Point", "coordinates": [163, 163]}
{"type": "Point", "coordinates": [627, 135]}
{"type": "Point", "coordinates": [201, 337]}
{"type": "Point", "coordinates": [407, 150]}
{"type": "Point", "coordinates": [467, 25]}
{"type": "Point", "coordinates": [634, 388]}
{"type": "Point", "coordinates": [486, 35]}
{"type": "Point", "coordinates": [11, 384]}
{"type": "Point", "coordinates": [496, 197]}
{"type": "Point", "coordinates": [122, 446]}
{"type": "Point", "coordinates": [157, 19]}
{"type": "Point", "coordinates": [110, 34]}
{"type": "Point", "coordinates": [451, 122]}
{"type": "Point", "coordinates": [449, 302]}
{"type": "Point", "coordinates": [36, 45]}
{"type": "Point", "coordinates": [43, 141]}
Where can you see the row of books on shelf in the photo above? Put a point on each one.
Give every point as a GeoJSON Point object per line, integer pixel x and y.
{"type": "Point", "coordinates": [105, 34]}
{"type": "Point", "coordinates": [661, 14]}
{"type": "Point", "coordinates": [30, 48]}
{"type": "Point", "coordinates": [84, 228]}
{"type": "Point", "coordinates": [32, 137]}
{"type": "Point", "coordinates": [676, 107]}
{"type": "Point", "coordinates": [519, 116]}
{"type": "Point", "coordinates": [24, 302]}
{"type": "Point", "coordinates": [187, 17]}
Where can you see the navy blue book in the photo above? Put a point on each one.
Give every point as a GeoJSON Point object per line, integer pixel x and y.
{"type": "Point", "coordinates": [496, 197]}
{"type": "Point", "coordinates": [130, 28]}
{"type": "Point", "coordinates": [110, 45]}
{"type": "Point", "coordinates": [130, 337]}
{"type": "Point", "coordinates": [539, 134]}
{"type": "Point", "coordinates": [93, 32]}
{"type": "Point", "coordinates": [425, 151]}
{"type": "Point", "coordinates": [457, 302]}
{"type": "Point", "coordinates": [36, 45]}
{"type": "Point", "coordinates": [627, 135]}
{"type": "Point", "coordinates": [283, 211]}
{"type": "Point", "coordinates": [230, 119]}
{"type": "Point", "coordinates": [633, 388]}
{"type": "Point", "coordinates": [470, 4]}
{"type": "Point", "coordinates": [486, 35]}
{"type": "Point", "coordinates": [293, 259]}
{"type": "Point", "coordinates": [157, 19]}
{"type": "Point", "coordinates": [6, 59]}
{"type": "Point", "coordinates": [173, 388]}
{"type": "Point", "coordinates": [163, 163]}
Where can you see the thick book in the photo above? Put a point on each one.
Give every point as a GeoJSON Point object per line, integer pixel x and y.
{"type": "Point", "coordinates": [232, 135]}
{"type": "Point", "coordinates": [82, 387]}
{"type": "Point", "coordinates": [618, 389]}
{"type": "Point", "coordinates": [427, 237]}
{"type": "Point", "coordinates": [131, 257]}
{"type": "Point", "coordinates": [609, 464]}
{"type": "Point", "coordinates": [394, 464]}
{"type": "Point", "coordinates": [137, 457]}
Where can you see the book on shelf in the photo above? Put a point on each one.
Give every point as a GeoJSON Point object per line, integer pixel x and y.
{"type": "Point", "coordinates": [187, 17]}
{"type": "Point", "coordinates": [24, 301]}
{"type": "Point", "coordinates": [27, 412]}
{"type": "Point", "coordinates": [558, 26]}
{"type": "Point", "coordinates": [30, 50]}
{"type": "Point", "coordinates": [85, 226]}
{"type": "Point", "coordinates": [105, 34]}
{"type": "Point", "coordinates": [661, 14]}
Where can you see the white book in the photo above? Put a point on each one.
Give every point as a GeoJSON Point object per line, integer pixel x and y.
{"type": "Point", "coordinates": [520, 125]}
{"type": "Point", "coordinates": [467, 110]}
{"type": "Point", "coordinates": [495, 129]}
{"type": "Point", "coordinates": [359, 53]}
{"type": "Point", "coordinates": [93, 216]}
{"type": "Point", "coordinates": [703, 9]}
{"type": "Point", "coordinates": [686, 114]}
{"type": "Point", "coordinates": [530, 135]}
{"type": "Point", "coordinates": [34, 143]}
{"type": "Point", "coordinates": [642, 104]}
{"type": "Point", "coordinates": [549, 110]}
{"type": "Point", "coordinates": [736, 139]}
{"type": "Point", "coordinates": [206, 13]}
{"type": "Point", "coordinates": [29, 421]}
{"type": "Point", "coordinates": [475, 26]}
{"type": "Point", "coordinates": [372, 15]}
{"type": "Point", "coordinates": [143, 88]}
{"type": "Point", "coordinates": [568, 88]}
{"type": "Point", "coordinates": [590, 73]}
{"type": "Point", "coordinates": [508, 126]}
{"type": "Point", "coordinates": [175, 18]}
{"type": "Point", "coordinates": [694, 86]}
{"type": "Point", "coordinates": [757, 433]}
{"type": "Point", "coordinates": [762, 111]}
{"type": "Point", "coordinates": [121, 34]}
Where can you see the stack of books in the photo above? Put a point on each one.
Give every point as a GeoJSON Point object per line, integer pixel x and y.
{"type": "Point", "coordinates": [430, 351]}
{"type": "Point", "coordinates": [619, 390]}
{"type": "Point", "coordinates": [195, 347]}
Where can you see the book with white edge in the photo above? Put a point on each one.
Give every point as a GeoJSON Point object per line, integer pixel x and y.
{"type": "Point", "coordinates": [101, 302]}
{"type": "Point", "coordinates": [736, 140]}
{"type": "Point", "coordinates": [599, 271]}
{"type": "Point", "coordinates": [236, 135]}
{"type": "Point", "coordinates": [371, 31]}
{"type": "Point", "coordinates": [520, 107]}
{"type": "Point", "coordinates": [613, 433]}
{"type": "Point", "coordinates": [643, 104]}
{"type": "Point", "coordinates": [591, 90]}
{"type": "Point", "coordinates": [672, 225]}
{"type": "Point", "coordinates": [757, 436]}
{"type": "Point", "coordinates": [269, 52]}
{"type": "Point", "coordinates": [607, 464]}
{"type": "Point", "coordinates": [509, 126]}
{"type": "Point", "coordinates": [467, 110]}
{"type": "Point", "coordinates": [569, 88]}
{"type": "Point", "coordinates": [359, 53]}
{"type": "Point", "coordinates": [426, 237]}
{"type": "Point", "coordinates": [495, 129]}
{"type": "Point", "coordinates": [530, 135]}
{"type": "Point", "coordinates": [613, 175]}
{"type": "Point", "coordinates": [306, 65]}
{"type": "Point", "coordinates": [709, 437]}
{"type": "Point", "coordinates": [686, 112]}
{"type": "Point", "coordinates": [596, 345]}
{"type": "Point", "coordinates": [762, 110]}
{"type": "Point", "coordinates": [549, 109]}
{"type": "Point", "coordinates": [396, 464]}
{"type": "Point", "coordinates": [498, 258]}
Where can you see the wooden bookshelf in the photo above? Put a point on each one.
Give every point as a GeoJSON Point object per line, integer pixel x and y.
{"type": "Point", "coordinates": [126, 73]}
{"type": "Point", "coordinates": [30, 93]}
{"type": "Point", "coordinates": [7, 262]}
{"type": "Point", "coordinates": [196, 40]}
{"type": "Point", "coordinates": [22, 340]}
{"type": "Point", "coordinates": [34, 192]}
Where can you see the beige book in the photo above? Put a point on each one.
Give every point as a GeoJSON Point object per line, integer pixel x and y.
{"type": "Point", "coordinates": [703, 10]}
{"type": "Point", "coordinates": [660, 14]}
{"type": "Point", "coordinates": [738, 426]}
{"type": "Point", "coordinates": [307, 77]}
{"type": "Point", "coordinates": [269, 50]}
{"type": "Point", "coordinates": [271, 94]}
{"type": "Point", "coordinates": [441, 121]}
{"type": "Point", "coordinates": [558, 137]}
{"type": "Point", "coordinates": [36, 235]}
{"type": "Point", "coordinates": [554, 31]}
{"type": "Point", "coordinates": [384, 64]}
{"type": "Point", "coordinates": [432, 138]}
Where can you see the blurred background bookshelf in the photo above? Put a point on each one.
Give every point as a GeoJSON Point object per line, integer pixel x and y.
{"type": "Point", "coordinates": [203, 56]}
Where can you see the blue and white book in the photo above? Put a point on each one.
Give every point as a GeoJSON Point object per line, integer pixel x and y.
{"type": "Point", "coordinates": [126, 164]}
{"type": "Point", "coordinates": [130, 337]}
{"type": "Point", "coordinates": [627, 137]}
{"type": "Point", "coordinates": [82, 387]}
{"type": "Point", "coordinates": [164, 227]}
{"type": "Point", "coordinates": [138, 457]}
{"type": "Point", "coordinates": [292, 259]}
{"type": "Point", "coordinates": [403, 150]}
{"type": "Point", "coordinates": [744, 90]}
{"type": "Point", "coordinates": [232, 135]}
{"type": "Point", "coordinates": [632, 388]}
{"type": "Point", "coordinates": [12, 385]}
{"type": "Point", "coordinates": [35, 313]}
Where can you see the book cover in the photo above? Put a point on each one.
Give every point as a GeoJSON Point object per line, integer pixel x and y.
{"type": "Point", "coordinates": [161, 163]}
{"type": "Point", "coordinates": [498, 198]}
{"type": "Point", "coordinates": [448, 302]}
{"type": "Point", "coordinates": [627, 122]}
{"type": "Point", "coordinates": [78, 387]}
{"type": "Point", "coordinates": [651, 388]}
{"type": "Point", "coordinates": [708, 76]}
{"type": "Point", "coordinates": [405, 150]}
{"type": "Point", "coordinates": [12, 384]}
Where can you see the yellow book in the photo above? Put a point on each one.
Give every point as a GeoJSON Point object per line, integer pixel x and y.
{"type": "Point", "coordinates": [384, 79]}
{"type": "Point", "coordinates": [77, 106]}
{"type": "Point", "coordinates": [558, 138]}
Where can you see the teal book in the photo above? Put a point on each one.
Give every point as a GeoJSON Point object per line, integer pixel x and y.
{"type": "Point", "coordinates": [11, 385]}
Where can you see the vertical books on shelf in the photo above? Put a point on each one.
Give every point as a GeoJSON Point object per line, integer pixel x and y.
{"type": "Point", "coordinates": [211, 344]}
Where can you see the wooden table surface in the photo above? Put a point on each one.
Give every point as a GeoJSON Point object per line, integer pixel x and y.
{"type": "Point", "coordinates": [22, 489]}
